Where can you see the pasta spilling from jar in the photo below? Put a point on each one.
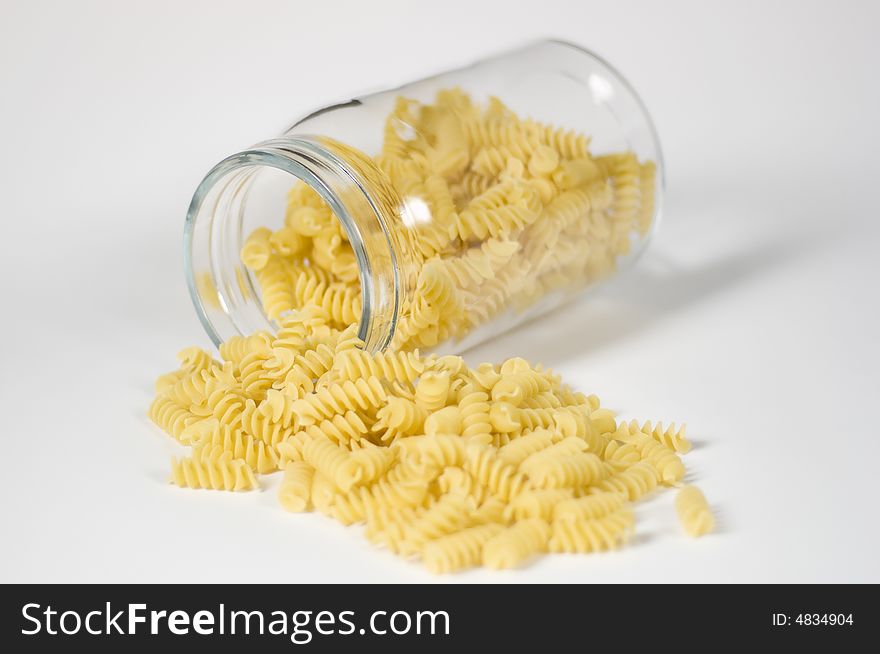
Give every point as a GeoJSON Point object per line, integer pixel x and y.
{"type": "Point", "coordinates": [497, 212]}
{"type": "Point", "coordinates": [454, 465]}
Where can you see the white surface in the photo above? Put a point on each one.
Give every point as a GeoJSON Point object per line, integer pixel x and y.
{"type": "Point", "coordinates": [754, 317]}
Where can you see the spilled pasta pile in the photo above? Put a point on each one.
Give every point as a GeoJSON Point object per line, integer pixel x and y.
{"type": "Point", "coordinates": [453, 465]}
{"type": "Point", "coordinates": [503, 211]}
{"type": "Point", "coordinates": [457, 466]}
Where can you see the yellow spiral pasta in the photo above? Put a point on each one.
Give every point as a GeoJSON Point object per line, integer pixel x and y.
{"type": "Point", "coordinates": [259, 456]}
{"type": "Point", "coordinates": [491, 510]}
{"type": "Point", "coordinates": [458, 481]}
{"type": "Point", "coordinates": [491, 161]}
{"type": "Point", "coordinates": [257, 249]}
{"type": "Point", "coordinates": [432, 390]}
{"type": "Point", "coordinates": [324, 491]}
{"type": "Point", "coordinates": [437, 288]}
{"type": "Point", "coordinates": [516, 387]}
{"type": "Point", "coordinates": [668, 465]}
{"type": "Point", "coordinates": [576, 172]}
{"type": "Point", "coordinates": [449, 514]}
{"type": "Point", "coordinates": [440, 450]}
{"type": "Point", "coordinates": [171, 416]}
{"type": "Point", "coordinates": [603, 421]}
{"type": "Point", "coordinates": [223, 474]}
{"type": "Point", "coordinates": [473, 406]}
{"type": "Point", "coordinates": [501, 479]}
{"type": "Point", "coordinates": [485, 376]}
{"type": "Point", "coordinates": [510, 547]}
{"type": "Point", "coordinates": [190, 388]}
{"type": "Point", "coordinates": [385, 524]}
{"type": "Point", "coordinates": [364, 466]}
{"type": "Point", "coordinates": [589, 507]}
{"type": "Point", "coordinates": [555, 470]}
{"type": "Point", "coordinates": [456, 465]}
{"type": "Point", "coordinates": [399, 416]}
{"type": "Point", "coordinates": [392, 366]}
{"type": "Point", "coordinates": [342, 429]}
{"type": "Point", "coordinates": [316, 362]}
{"type": "Point", "coordinates": [621, 455]}
{"type": "Point", "coordinates": [694, 512]}
{"type": "Point", "coordinates": [518, 450]}
{"type": "Point", "coordinates": [295, 491]}
{"type": "Point", "coordinates": [672, 437]}
{"type": "Point", "coordinates": [257, 423]}
{"type": "Point", "coordinates": [633, 483]}
{"type": "Point", "coordinates": [500, 211]}
{"type": "Point", "coordinates": [462, 549]}
{"type": "Point", "coordinates": [422, 455]}
{"type": "Point", "coordinates": [352, 506]}
{"type": "Point", "coordinates": [539, 503]}
{"type": "Point", "coordinates": [359, 395]}
{"type": "Point", "coordinates": [277, 295]}
{"type": "Point", "coordinates": [471, 177]}
{"type": "Point", "coordinates": [291, 449]}
{"type": "Point", "coordinates": [330, 460]}
{"type": "Point", "coordinates": [444, 421]}
{"type": "Point", "coordinates": [596, 535]}
{"type": "Point", "coordinates": [543, 161]}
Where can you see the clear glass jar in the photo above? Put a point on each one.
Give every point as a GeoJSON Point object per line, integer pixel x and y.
{"type": "Point", "coordinates": [464, 204]}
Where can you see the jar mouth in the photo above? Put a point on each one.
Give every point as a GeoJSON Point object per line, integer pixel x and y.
{"type": "Point", "coordinates": [225, 293]}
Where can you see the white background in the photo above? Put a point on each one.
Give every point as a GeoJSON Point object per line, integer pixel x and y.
{"type": "Point", "coordinates": [754, 317]}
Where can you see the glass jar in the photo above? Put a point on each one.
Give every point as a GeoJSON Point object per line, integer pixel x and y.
{"type": "Point", "coordinates": [437, 214]}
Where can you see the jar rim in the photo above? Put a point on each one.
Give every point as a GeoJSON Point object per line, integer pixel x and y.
{"type": "Point", "coordinates": [348, 195]}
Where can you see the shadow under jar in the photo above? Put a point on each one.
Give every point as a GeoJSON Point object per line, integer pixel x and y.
{"type": "Point", "coordinates": [435, 215]}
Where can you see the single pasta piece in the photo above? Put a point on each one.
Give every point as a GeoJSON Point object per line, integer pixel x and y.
{"type": "Point", "coordinates": [594, 535]}
{"type": "Point", "coordinates": [354, 505]}
{"type": "Point", "coordinates": [672, 437]}
{"type": "Point", "coordinates": [694, 512]}
{"type": "Point", "coordinates": [330, 460]}
{"type": "Point", "coordinates": [473, 407]}
{"type": "Point", "coordinates": [538, 503]}
{"type": "Point", "coordinates": [393, 366]}
{"type": "Point", "coordinates": [491, 510]}
{"type": "Point", "coordinates": [259, 456]}
{"type": "Point", "coordinates": [341, 429]}
{"type": "Point", "coordinates": [518, 450]}
{"type": "Point", "coordinates": [668, 465]}
{"type": "Point", "coordinates": [291, 449]}
{"type": "Point", "coordinates": [444, 421]}
{"type": "Point", "coordinates": [432, 390]}
{"type": "Point", "coordinates": [603, 421]}
{"type": "Point", "coordinates": [560, 469]}
{"type": "Point", "coordinates": [324, 492]}
{"type": "Point", "coordinates": [225, 474]}
{"type": "Point", "coordinates": [365, 466]}
{"type": "Point", "coordinates": [441, 450]}
{"type": "Point", "coordinates": [295, 492]}
{"type": "Point", "coordinates": [400, 416]}
{"type": "Point", "coordinates": [516, 387]}
{"type": "Point", "coordinates": [454, 480]}
{"type": "Point", "coordinates": [633, 483]}
{"type": "Point", "coordinates": [510, 547]}
{"type": "Point", "coordinates": [449, 514]}
{"type": "Point", "coordinates": [460, 550]}
{"type": "Point", "coordinates": [589, 507]}
{"type": "Point", "coordinates": [501, 479]}
{"type": "Point", "coordinates": [363, 394]}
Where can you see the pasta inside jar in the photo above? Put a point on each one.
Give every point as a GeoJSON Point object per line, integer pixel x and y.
{"type": "Point", "coordinates": [437, 215]}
